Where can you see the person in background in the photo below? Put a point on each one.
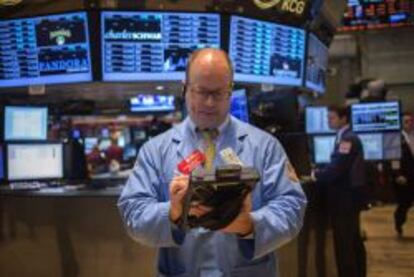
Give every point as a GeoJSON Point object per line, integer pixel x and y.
{"type": "Point", "coordinates": [404, 174]}
{"type": "Point", "coordinates": [342, 180]}
{"type": "Point", "coordinates": [152, 200]}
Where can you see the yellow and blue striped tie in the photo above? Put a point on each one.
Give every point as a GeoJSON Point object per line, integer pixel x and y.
{"type": "Point", "coordinates": [209, 137]}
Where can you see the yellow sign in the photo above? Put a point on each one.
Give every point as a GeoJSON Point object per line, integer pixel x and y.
{"type": "Point", "coordinates": [266, 4]}
{"type": "Point", "coordinates": [293, 6]}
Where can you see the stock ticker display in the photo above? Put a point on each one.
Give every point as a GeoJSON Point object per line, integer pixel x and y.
{"type": "Point", "coordinates": [45, 50]}
{"type": "Point", "coordinates": [149, 46]}
{"type": "Point", "coordinates": [316, 64]}
{"type": "Point", "coordinates": [376, 14]}
{"type": "Point", "coordinates": [264, 52]}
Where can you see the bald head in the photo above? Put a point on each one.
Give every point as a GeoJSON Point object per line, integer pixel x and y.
{"type": "Point", "coordinates": [210, 59]}
{"type": "Point", "coordinates": [209, 80]}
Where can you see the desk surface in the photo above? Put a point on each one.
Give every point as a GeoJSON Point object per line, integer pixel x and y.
{"type": "Point", "coordinates": [64, 191]}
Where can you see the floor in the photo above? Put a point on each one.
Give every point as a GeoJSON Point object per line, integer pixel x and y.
{"type": "Point", "coordinates": [388, 255]}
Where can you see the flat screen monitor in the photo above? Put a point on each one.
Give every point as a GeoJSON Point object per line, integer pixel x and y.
{"type": "Point", "coordinates": [1, 163]}
{"type": "Point", "coordinates": [34, 161]}
{"type": "Point", "coordinates": [264, 52]}
{"type": "Point", "coordinates": [316, 65]}
{"type": "Point", "coordinates": [89, 143]}
{"type": "Point", "coordinates": [239, 105]}
{"type": "Point", "coordinates": [145, 103]}
{"type": "Point", "coordinates": [130, 152]}
{"type": "Point", "coordinates": [323, 147]}
{"type": "Point", "coordinates": [153, 46]}
{"type": "Point", "coordinates": [104, 144]}
{"type": "Point", "coordinates": [372, 145]}
{"type": "Point", "coordinates": [139, 135]}
{"type": "Point", "coordinates": [48, 49]}
{"type": "Point", "coordinates": [316, 118]}
{"type": "Point", "coordinates": [25, 123]}
{"type": "Point", "coordinates": [376, 117]}
{"type": "Point", "coordinates": [381, 146]}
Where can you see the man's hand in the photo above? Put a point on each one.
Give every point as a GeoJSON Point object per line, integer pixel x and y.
{"type": "Point", "coordinates": [178, 189]}
{"type": "Point", "coordinates": [243, 223]}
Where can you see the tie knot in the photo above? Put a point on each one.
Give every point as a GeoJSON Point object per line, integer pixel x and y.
{"type": "Point", "coordinates": [210, 134]}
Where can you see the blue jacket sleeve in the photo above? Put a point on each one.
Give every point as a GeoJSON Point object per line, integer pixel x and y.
{"type": "Point", "coordinates": [145, 217]}
{"type": "Point", "coordinates": [281, 216]}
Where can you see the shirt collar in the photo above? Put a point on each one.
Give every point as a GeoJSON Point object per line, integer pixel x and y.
{"type": "Point", "coordinates": [342, 131]}
{"type": "Point", "coordinates": [223, 126]}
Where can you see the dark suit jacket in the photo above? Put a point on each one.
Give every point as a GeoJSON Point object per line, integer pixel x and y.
{"type": "Point", "coordinates": [345, 175]}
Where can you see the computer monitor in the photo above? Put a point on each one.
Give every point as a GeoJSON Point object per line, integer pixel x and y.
{"type": "Point", "coordinates": [153, 46]}
{"type": "Point", "coordinates": [25, 123]}
{"type": "Point", "coordinates": [104, 144]}
{"type": "Point", "coordinates": [373, 146]}
{"type": "Point", "coordinates": [49, 49]}
{"type": "Point", "coordinates": [392, 145]}
{"type": "Point", "coordinates": [376, 116]}
{"type": "Point", "coordinates": [323, 147]}
{"type": "Point", "coordinates": [381, 146]}
{"type": "Point", "coordinates": [239, 105]}
{"type": "Point", "coordinates": [34, 161]}
{"type": "Point", "coordinates": [316, 64]}
{"type": "Point", "coordinates": [138, 134]}
{"type": "Point", "coordinates": [89, 143]}
{"type": "Point", "coordinates": [130, 152]}
{"type": "Point", "coordinates": [266, 52]}
{"type": "Point", "coordinates": [148, 103]}
{"type": "Point", "coordinates": [1, 163]}
{"type": "Point", "coordinates": [316, 119]}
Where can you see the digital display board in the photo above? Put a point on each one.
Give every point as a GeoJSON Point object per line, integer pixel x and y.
{"type": "Point", "coordinates": [264, 52]}
{"type": "Point", "coordinates": [152, 103]}
{"type": "Point", "coordinates": [239, 105]}
{"type": "Point", "coordinates": [153, 46]}
{"type": "Point", "coordinates": [316, 118]}
{"type": "Point", "coordinates": [25, 123]}
{"type": "Point", "coordinates": [376, 116]}
{"type": "Point", "coordinates": [316, 65]}
{"type": "Point", "coordinates": [50, 49]}
{"type": "Point", "coordinates": [375, 14]}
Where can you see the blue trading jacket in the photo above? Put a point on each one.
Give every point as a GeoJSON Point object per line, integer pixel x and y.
{"type": "Point", "coordinates": [278, 205]}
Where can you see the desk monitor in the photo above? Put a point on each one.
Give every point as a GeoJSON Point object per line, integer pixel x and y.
{"type": "Point", "coordinates": [316, 118]}
{"type": "Point", "coordinates": [89, 143]}
{"type": "Point", "coordinates": [148, 103]}
{"type": "Point", "coordinates": [239, 105]}
{"type": "Point", "coordinates": [34, 161]}
{"type": "Point", "coordinates": [153, 46]}
{"type": "Point", "coordinates": [316, 64]}
{"type": "Point", "coordinates": [376, 116]}
{"type": "Point", "coordinates": [25, 123]}
{"type": "Point", "coordinates": [372, 145]}
{"type": "Point", "coordinates": [48, 49]}
{"type": "Point", "coordinates": [323, 147]}
{"type": "Point", "coordinates": [265, 52]}
{"type": "Point", "coordinates": [392, 145]}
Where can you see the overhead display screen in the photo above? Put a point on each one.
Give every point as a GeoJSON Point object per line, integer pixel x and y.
{"type": "Point", "coordinates": [376, 117]}
{"type": "Point", "coordinates": [239, 105]}
{"type": "Point", "coordinates": [375, 14]}
{"type": "Point", "coordinates": [152, 103]}
{"type": "Point", "coordinates": [50, 49]}
{"type": "Point", "coordinates": [264, 52]}
{"type": "Point", "coordinates": [153, 46]}
{"type": "Point", "coordinates": [316, 65]}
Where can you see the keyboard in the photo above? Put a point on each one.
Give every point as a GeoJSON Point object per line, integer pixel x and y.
{"type": "Point", "coordinates": [27, 185]}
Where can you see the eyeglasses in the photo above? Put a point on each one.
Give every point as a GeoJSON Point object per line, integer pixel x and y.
{"type": "Point", "coordinates": [217, 95]}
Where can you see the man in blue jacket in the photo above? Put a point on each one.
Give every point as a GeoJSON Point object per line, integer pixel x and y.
{"type": "Point", "coordinates": [344, 181]}
{"type": "Point", "coordinates": [151, 202]}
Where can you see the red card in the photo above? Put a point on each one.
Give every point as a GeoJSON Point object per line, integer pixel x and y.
{"type": "Point", "coordinates": [190, 163]}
